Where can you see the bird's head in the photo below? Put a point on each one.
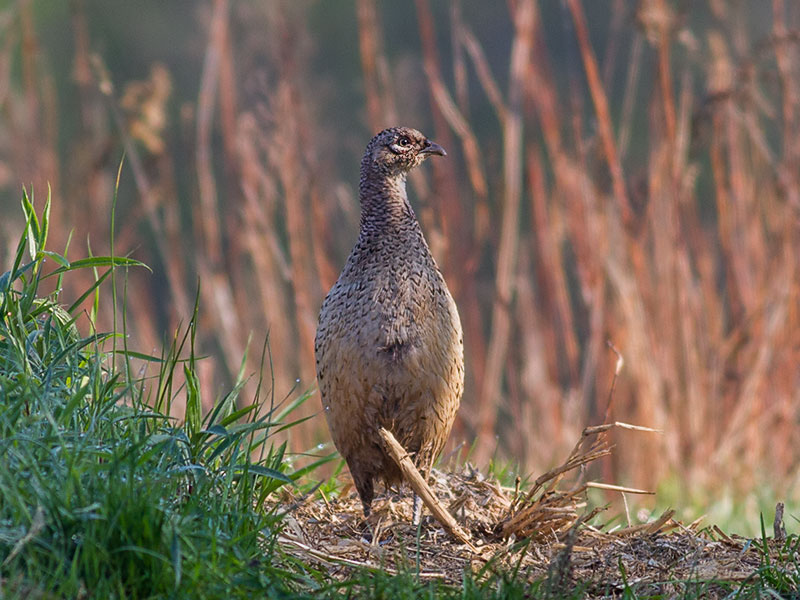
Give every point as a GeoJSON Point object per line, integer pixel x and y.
{"type": "Point", "coordinates": [397, 150]}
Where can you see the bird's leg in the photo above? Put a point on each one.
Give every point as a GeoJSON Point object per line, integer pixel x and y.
{"type": "Point", "coordinates": [416, 507]}
{"type": "Point", "coordinates": [364, 486]}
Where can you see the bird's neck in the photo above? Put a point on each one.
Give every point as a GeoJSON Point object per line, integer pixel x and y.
{"type": "Point", "coordinates": [384, 202]}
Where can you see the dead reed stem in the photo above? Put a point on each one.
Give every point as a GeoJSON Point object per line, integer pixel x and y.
{"type": "Point", "coordinates": [601, 107]}
{"type": "Point", "coordinates": [422, 489]}
{"type": "Point", "coordinates": [656, 207]}
{"type": "Point", "coordinates": [370, 50]}
{"type": "Point", "coordinates": [509, 228]}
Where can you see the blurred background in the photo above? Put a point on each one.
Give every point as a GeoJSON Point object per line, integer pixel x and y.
{"type": "Point", "coordinates": [622, 176]}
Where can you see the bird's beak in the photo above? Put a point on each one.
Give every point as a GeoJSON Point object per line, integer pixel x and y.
{"type": "Point", "coordinates": [433, 148]}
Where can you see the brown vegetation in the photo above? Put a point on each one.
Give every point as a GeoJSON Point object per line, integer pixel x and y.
{"type": "Point", "coordinates": [664, 218]}
{"type": "Point", "coordinates": [545, 533]}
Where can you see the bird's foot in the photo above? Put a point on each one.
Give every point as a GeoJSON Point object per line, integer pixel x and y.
{"type": "Point", "coordinates": [367, 532]}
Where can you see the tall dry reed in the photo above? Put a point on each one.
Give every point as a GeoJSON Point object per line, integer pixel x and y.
{"type": "Point", "coordinates": [644, 194]}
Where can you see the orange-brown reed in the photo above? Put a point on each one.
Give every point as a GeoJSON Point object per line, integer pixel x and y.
{"type": "Point", "coordinates": [664, 218]}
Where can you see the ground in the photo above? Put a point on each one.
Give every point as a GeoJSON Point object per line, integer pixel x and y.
{"type": "Point", "coordinates": [541, 534]}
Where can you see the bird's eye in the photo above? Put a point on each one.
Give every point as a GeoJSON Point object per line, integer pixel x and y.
{"type": "Point", "coordinates": [404, 141]}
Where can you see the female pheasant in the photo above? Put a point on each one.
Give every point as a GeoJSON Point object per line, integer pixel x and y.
{"type": "Point", "coordinates": [389, 347]}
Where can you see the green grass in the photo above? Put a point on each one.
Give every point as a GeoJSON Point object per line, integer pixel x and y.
{"type": "Point", "coordinates": [732, 510]}
{"type": "Point", "coordinates": [101, 492]}
{"type": "Point", "coordinates": [104, 495]}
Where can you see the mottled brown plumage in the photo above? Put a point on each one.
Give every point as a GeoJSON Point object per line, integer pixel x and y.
{"type": "Point", "coordinates": [389, 346]}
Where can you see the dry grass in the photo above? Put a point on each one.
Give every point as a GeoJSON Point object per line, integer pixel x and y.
{"type": "Point", "coordinates": [544, 533]}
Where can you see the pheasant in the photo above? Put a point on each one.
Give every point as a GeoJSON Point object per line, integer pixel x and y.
{"type": "Point", "coordinates": [389, 347]}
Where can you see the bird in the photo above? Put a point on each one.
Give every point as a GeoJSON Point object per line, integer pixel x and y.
{"type": "Point", "coordinates": [389, 346]}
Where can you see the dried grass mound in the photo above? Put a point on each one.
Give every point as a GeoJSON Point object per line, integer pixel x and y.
{"type": "Point", "coordinates": [544, 532]}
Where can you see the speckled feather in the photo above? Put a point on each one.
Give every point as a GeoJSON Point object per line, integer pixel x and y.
{"type": "Point", "coordinates": [389, 348]}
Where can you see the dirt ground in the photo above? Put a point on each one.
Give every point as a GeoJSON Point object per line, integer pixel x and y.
{"type": "Point", "coordinates": [543, 532]}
